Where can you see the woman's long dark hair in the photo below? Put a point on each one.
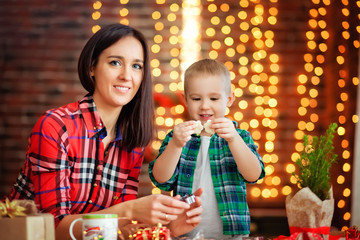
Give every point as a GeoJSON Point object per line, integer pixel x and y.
{"type": "Point", "coordinates": [137, 117]}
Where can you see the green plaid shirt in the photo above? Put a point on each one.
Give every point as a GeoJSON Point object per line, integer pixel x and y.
{"type": "Point", "coordinates": [229, 184]}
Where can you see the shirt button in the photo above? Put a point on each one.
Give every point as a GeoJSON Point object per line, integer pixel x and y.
{"type": "Point", "coordinates": [90, 201]}
{"type": "Point", "coordinates": [106, 152]}
{"type": "Point", "coordinates": [188, 175]}
{"type": "Point", "coordinates": [95, 185]}
{"type": "Point", "coordinates": [115, 197]}
{"type": "Point", "coordinates": [98, 167]}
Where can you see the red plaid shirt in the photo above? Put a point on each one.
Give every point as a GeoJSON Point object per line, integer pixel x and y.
{"type": "Point", "coordinates": [68, 171]}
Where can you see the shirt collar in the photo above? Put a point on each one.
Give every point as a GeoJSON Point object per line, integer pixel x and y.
{"type": "Point", "coordinates": [91, 116]}
{"type": "Point", "coordinates": [118, 136]}
{"type": "Point", "coordinates": [93, 122]}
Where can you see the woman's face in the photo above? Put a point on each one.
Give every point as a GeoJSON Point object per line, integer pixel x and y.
{"type": "Point", "coordinates": [118, 73]}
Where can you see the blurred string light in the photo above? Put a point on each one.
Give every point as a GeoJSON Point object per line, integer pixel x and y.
{"type": "Point", "coordinates": [124, 12]}
{"type": "Point", "coordinates": [165, 49]}
{"type": "Point", "coordinates": [240, 36]}
{"type": "Point", "coordinates": [96, 15]}
{"type": "Point", "coordinates": [190, 46]}
{"type": "Point", "coordinates": [179, 24]}
{"type": "Point", "coordinates": [308, 89]}
{"type": "Point", "coordinates": [346, 82]}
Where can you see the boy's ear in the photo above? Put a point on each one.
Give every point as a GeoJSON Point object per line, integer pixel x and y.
{"type": "Point", "coordinates": [183, 98]}
{"type": "Point", "coordinates": [231, 99]}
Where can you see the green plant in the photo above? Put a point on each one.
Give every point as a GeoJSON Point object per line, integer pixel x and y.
{"type": "Point", "coordinates": [315, 162]}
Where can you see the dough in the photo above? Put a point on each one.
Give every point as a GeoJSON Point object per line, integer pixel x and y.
{"type": "Point", "coordinates": [207, 127]}
{"type": "Point", "coordinates": [199, 127]}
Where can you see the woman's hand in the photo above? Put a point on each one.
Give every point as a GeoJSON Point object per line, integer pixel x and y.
{"type": "Point", "coordinates": [157, 208]}
{"type": "Point", "coordinates": [189, 219]}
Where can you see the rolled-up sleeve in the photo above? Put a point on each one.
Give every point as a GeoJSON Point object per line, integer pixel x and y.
{"type": "Point", "coordinates": [170, 184]}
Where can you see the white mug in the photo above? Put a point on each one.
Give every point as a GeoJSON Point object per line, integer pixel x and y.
{"type": "Point", "coordinates": [97, 226]}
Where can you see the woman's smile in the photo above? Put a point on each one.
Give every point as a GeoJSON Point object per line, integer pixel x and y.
{"type": "Point", "coordinates": [122, 89]}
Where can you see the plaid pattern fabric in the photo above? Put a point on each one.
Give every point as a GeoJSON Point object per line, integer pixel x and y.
{"type": "Point", "coordinates": [68, 171]}
{"type": "Point", "coordinates": [229, 184]}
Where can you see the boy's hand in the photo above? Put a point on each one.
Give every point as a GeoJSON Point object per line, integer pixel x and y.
{"type": "Point", "coordinates": [182, 132]}
{"type": "Point", "coordinates": [225, 128]}
{"type": "Point", "coordinates": [189, 219]}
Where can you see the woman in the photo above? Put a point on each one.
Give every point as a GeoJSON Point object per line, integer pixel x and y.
{"type": "Point", "coordinates": [86, 156]}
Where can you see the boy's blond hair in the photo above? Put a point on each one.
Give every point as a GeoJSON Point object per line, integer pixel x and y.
{"type": "Point", "coordinates": [208, 66]}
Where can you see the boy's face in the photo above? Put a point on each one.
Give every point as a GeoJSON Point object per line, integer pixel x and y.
{"type": "Point", "coordinates": [206, 97]}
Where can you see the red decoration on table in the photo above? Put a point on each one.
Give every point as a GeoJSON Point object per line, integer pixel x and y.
{"type": "Point", "coordinates": [352, 233]}
{"type": "Point", "coordinates": [318, 230]}
{"type": "Point", "coordinates": [154, 233]}
{"type": "Point", "coordinates": [308, 233]}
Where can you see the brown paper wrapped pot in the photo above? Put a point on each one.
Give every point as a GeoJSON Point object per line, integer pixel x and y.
{"type": "Point", "coordinates": [307, 211]}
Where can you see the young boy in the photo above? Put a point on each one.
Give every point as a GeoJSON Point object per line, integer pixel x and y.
{"type": "Point", "coordinates": [220, 163]}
